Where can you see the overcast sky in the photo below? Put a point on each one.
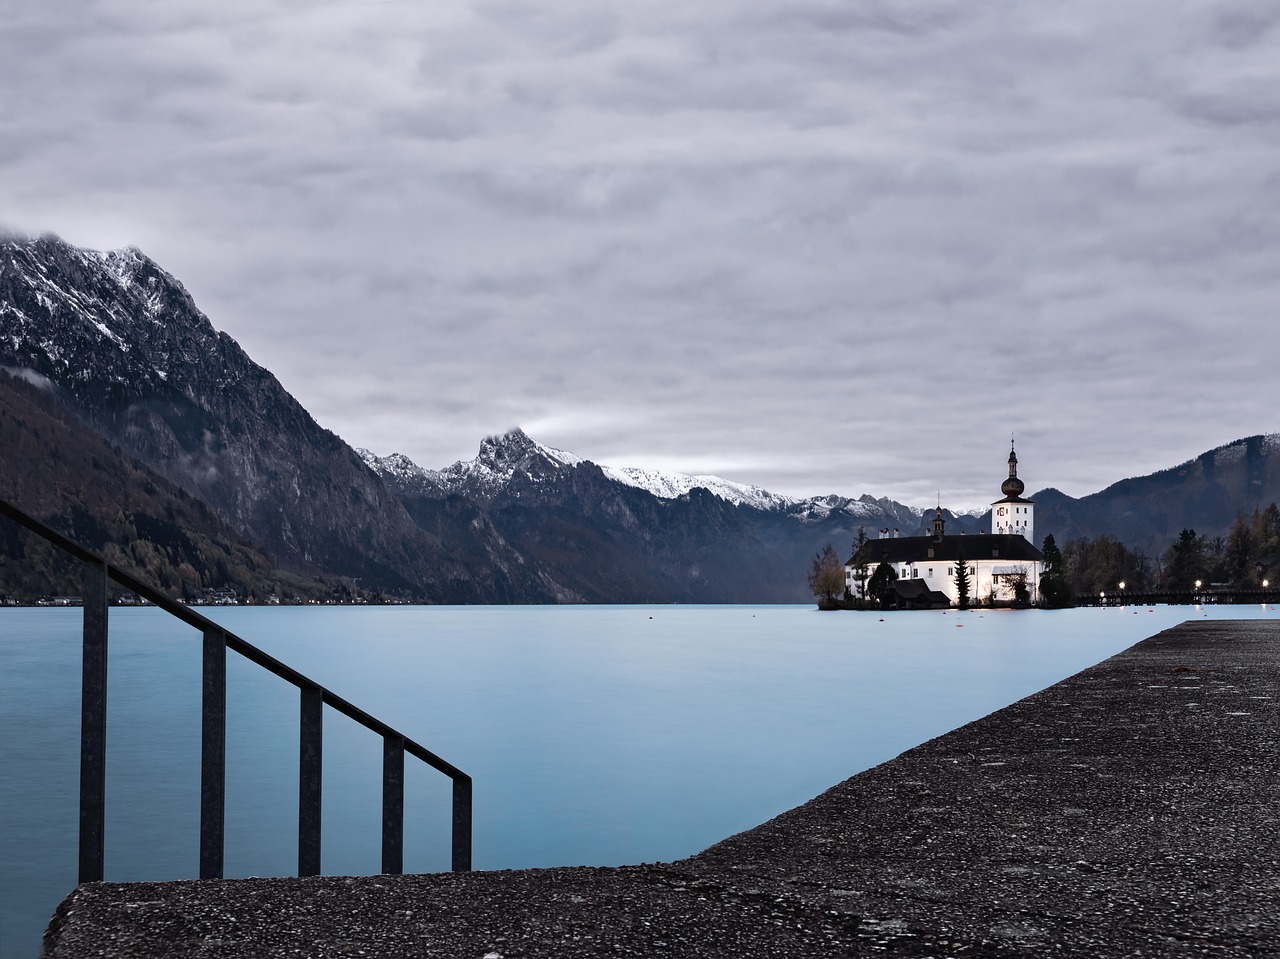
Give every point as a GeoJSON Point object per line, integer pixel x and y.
{"type": "Point", "coordinates": [815, 245]}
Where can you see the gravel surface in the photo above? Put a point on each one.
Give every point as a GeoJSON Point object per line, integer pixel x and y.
{"type": "Point", "coordinates": [1133, 809]}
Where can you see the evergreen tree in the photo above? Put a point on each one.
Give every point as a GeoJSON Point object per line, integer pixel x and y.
{"type": "Point", "coordinates": [1185, 562]}
{"type": "Point", "coordinates": [881, 583]}
{"type": "Point", "coordinates": [1055, 590]}
{"type": "Point", "coordinates": [962, 580]}
{"type": "Point", "coordinates": [1052, 555]}
{"type": "Point", "coordinates": [859, 561]}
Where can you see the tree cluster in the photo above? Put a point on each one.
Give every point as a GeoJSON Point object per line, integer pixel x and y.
{"type": "Point", "coordinates": [1087, 566]}
{"type": "Point", "coordinates": [1242, 559]}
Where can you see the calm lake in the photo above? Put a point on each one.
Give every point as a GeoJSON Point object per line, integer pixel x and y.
{"type": "Point", "coordinates": [595, 735]}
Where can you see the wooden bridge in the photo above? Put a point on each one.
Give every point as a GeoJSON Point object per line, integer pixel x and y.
{"type": "Point", "coordinates": [1207, 596]}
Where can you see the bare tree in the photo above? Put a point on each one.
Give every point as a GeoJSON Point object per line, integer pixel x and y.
{"type": "Point", "coordinates": [826, 578]}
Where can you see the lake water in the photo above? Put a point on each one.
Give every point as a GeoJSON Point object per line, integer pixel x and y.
{"type": "Point", "coordinates": [595, 735]}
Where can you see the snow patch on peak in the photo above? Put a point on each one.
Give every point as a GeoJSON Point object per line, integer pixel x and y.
{"type": "Point", "coordinates": [396, 466]}
{"type": "Point", "coordinates": [504, 454]}
{"type": "Point", "coordinates": [106, 331]}
{"type": "Point", "coordinates": [665, 485]}
{"type": "Point", "coordinates": [122, 263]}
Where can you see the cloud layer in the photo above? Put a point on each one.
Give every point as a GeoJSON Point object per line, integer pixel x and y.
{"type": "Point", "coordinates": [821, 246]}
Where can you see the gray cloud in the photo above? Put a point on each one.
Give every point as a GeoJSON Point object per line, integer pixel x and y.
{"type": "Point", "coordinates": [829, 245]}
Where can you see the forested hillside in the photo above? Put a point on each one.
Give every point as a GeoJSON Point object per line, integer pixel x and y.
{"type": "Point", "coordinates": [67, 476]}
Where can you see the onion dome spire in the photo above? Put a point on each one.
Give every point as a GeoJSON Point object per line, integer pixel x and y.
{"type": "Point", "coordinates": [1013, 487]}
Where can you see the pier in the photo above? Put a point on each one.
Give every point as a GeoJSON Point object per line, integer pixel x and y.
{"type": "Point", "coordinates": [1207, 596]}
{"type": "Point", "coordinates": [1132, 809]}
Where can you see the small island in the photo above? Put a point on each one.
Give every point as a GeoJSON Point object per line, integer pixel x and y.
{"type": "Point", "coordinates": [937, 570]}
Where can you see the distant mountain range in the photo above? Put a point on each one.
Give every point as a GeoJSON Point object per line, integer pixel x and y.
{"type": "Point", "coordinates": [114, 351]}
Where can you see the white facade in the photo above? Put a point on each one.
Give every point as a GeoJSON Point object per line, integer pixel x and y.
{"type": "Point", "coordinates": [1014, 517]}
{"type": "Point", "coordinates": [991, 578]}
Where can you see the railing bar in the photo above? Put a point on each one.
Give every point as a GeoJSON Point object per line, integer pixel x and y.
{"type": "Point", "coordinates": [93, 723]}
{"type": "Point", "coordinates": [48, 533]}
{"type": "Point", "coordinates": [434, 761]}
{"type": "Point", "coordinates": [310, 754]}
{"type": "Point", "coordinates": [393, 805]}
{"type": "Point", "coordinates": [268, 662]}
{"type": "Point", "coordinates": [213, 754]}
{"type": "Point", "coordinates": [461, 859]}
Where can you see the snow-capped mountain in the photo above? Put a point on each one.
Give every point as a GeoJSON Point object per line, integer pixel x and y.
{"type": "Point", "coordinates": [514, 456]}
{"type": "Point", "coordinates": [501, 460]}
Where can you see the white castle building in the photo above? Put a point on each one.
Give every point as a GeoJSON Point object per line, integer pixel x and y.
{"type": "Point", "coordinates": [999, 563]}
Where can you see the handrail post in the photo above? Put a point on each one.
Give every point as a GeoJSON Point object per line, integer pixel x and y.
{"type": "Point", "coordinates": [213, 754]}
{"type": "Point", "coordinates": [392, 805]}
{"type": "Point", "coordinates": [93, 723]}
{"type": "Point", "coordinates": [462, 824]}
{"type": "Point", "coordinates": [310, 753]}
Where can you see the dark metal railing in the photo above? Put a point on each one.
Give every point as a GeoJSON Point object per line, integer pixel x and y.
{"type": "Point", "coordinates": [314, 697]}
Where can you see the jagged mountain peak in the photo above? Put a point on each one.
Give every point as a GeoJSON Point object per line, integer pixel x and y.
{"type": "Point", "coordinates": [66, 301]}
{"type": "Point", "coordinates": [396, 462]}
{"type": "Point", "coordinates": [514, 450]}
{"type": "Point", "coordinates": [401, 472]}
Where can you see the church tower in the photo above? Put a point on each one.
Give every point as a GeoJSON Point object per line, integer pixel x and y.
{"type": "Point", "coordinates": [1013, 514]}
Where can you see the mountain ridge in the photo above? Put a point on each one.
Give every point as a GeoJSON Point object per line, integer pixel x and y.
{"type": "Point", "coordinates": [121, 345]}
{"type": "Point", "coordinates": [500, 455]}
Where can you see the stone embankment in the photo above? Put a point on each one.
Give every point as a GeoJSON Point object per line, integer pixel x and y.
{"type": "Point", "coordinates": [1133, 809]}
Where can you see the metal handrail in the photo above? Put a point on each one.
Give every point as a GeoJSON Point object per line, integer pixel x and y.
{"type": "Point", "coordinates": [314, 697]}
